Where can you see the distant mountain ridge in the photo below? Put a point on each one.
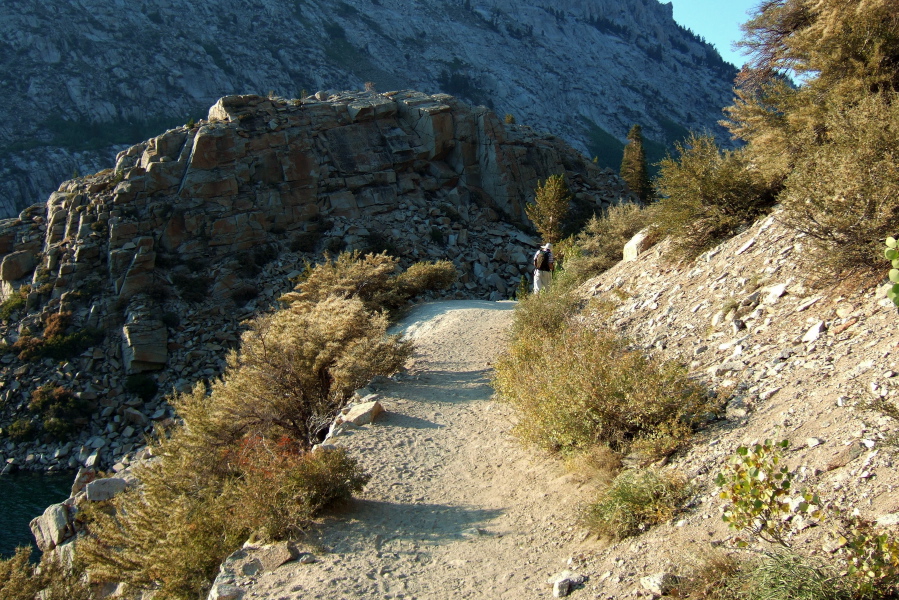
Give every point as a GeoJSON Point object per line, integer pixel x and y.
{"type": "Point", "coordinates": [83, 79]}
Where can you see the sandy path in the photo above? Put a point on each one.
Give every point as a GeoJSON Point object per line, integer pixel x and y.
{"type": "Point", "coordinates": [456, 507]}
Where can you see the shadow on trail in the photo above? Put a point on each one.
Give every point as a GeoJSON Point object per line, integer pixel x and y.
{"type": "Point", "coordinates": [446, 386]}
{"type": "Point", "coordinates": [430, 523]}
{"type": "Point", "coordinates": [392, 419]}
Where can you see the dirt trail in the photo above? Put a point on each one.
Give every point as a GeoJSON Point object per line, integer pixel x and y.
{"type": "Point", "coordinates": [456, 507]}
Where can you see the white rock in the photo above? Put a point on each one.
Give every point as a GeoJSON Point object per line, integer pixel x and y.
{"type": "Point", "coordinates": [363, 413]}
{"type": "Point", "coordinates": [814, 332]}
{"type": "Point", "coordinates": [225, 591]}
{"type": "Point", "coordinates": [888, 520]}
{"type": "Point", "coordinates": [775, 292]}
{"type": "Point", "coordinates": [660, 583]}
{"type": "Point", "coordinates": [636, 245]}
{"type": "Point", "coordinates": [812, 442]}
{"type": "Point", "coordinates": [105, 489]}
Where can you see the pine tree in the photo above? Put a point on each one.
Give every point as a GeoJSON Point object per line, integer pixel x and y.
{"type": "Point", "coordinates": [550, 208]}
{"type": "Point", "coordinates": [633, 165]}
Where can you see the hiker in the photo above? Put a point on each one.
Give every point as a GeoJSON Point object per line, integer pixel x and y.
{"type": "Point", "coordinates": [544, 265]}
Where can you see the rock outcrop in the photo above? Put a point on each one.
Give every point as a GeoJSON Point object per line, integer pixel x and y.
{"type": "Point", "coordinates": [200, 228]}
{"type": "Point", "coordinates": [80, 78]}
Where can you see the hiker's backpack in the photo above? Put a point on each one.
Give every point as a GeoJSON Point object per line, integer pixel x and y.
{"type": "Point", "coordinates": [542, 260]}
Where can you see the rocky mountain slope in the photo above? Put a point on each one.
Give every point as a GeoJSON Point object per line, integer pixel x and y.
{"type": "Point", "coordinates": [138, 277]}
{"type": "Point", "coordinates": [80, 78]}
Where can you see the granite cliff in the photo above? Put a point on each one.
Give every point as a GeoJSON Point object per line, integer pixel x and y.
{"type": "Point", "coordinates": [82, 80]}
{"type": "Point", "coordinates": [143, 272]}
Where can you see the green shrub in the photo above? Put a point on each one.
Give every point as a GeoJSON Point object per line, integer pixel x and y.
{"type": "Point", "coordinates": [376, 243]}
{"type": "Point", "coordinates": [192, 288]}
{"type": "Point", "coordinates": [21, 579]}
{"type": "Point", "coordinates": [637, 500]}
{"type": "Point", "coordinates": [788, 576]}
{"type": "Point", "coordinates": [141, 385]}
{"type": "Point", "coordinates": [16, 301]}
{"type": "Point", "coordinates": [55, 343]}
{"type": "Point", "coordinates": [760, 493]}
{"type": "Point", "coordinates": [373, 278]}
{"type": "Point", "coordinates": [58, 410]}
{"type": "Point", "coordinates": [601, 244]}
{"type": "Point", "coordinates": [22, 430]}
{"type": "Point", "coordinates": [707, 195]}
{"type": "Point", "coordinates": [305, 241]}
{"type": "Point", "coordinates": [844, 192]}
{"type": "Point", "coordinates": [595, 389]}
{"type": "Point", "coordinates": [436, 235]}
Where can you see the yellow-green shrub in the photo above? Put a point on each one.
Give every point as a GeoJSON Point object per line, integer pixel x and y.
{"type": "Point", "coordinates": [844, 191]}
{"type": "Point", "coordinates": [600, 245]}
{"type": "Point", "coordinates": [373, 278]}
{"type": "Point", "coordinates": [636, 500]}
{"type": "Point", "coordinates": [707, 195]}
{"type": "Point", "coordinates": [22, 580]}
{"type": "Point", "coordinates": [576, 387]}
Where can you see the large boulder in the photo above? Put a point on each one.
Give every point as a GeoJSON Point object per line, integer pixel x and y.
{"type": "Point", "coordinates": [16, 265]}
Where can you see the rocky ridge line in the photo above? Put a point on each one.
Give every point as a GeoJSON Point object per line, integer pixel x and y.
{"type": "Point", "coordinates": [191, 233]}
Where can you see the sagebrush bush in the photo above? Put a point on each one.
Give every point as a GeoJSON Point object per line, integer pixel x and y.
{"type": "Point", "coordinates": [578, 387]}
{"type": "Point", "coordinates": [15, 301]}
{"type": "Point", "coordinates": [635, 501]}
{"type": "Point", "coordinates": [708, 195]}
{"type": "Point", "coordinates": [20, 579]}
{"type": "Point", "coordinates": [141, 385]}
{"type": "Point", "coordinates": [296, 368]}
{"type": "Point", "coordinates": [55, 342]}
{"type": "Point", "coordinates": [601, 243]}
{"type": "Point", "coordinates": [548, 312]}
{"type": "Point", "coordinates": [844, 192]}
{"type": "Point", "coordinates": [373, 278]}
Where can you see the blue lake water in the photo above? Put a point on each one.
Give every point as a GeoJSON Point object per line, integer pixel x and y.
{"type": "Point", "coordinates": [24, 496]}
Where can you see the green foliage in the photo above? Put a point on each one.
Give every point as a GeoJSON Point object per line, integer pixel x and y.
{"type": "Point", "coordinates": [55, 343]}
{"type": "Point", "coordinates": [20, 579]}
{"type": "Point", "coordinates": [22, 430]}
{"type": "Point", "coordinates": [59, 410]}
{"type": "Point", "coordinates": [603, 145]}
{"type": "Point", "coordinates": [374, 279]}
{"type": "Point", "coordinates": [707, 195]}
{"type": "Point", "coordinates": [305, 241]}
{"type": "Point", "coordinates": [789, 576]}
{"type": "Point", "coordinates": [15, 302]}
{"type": "Point", "coordinates": [550, 207]}
{"type": "Point", "coordinates": [892, 255]}
{"type": "Point", "coordinates": [170, 319]}
{"type": "Point", "coordinates": [241, 461]}
{"type": "Point", "coordinates": [760, 493]}
{"type": "Point", "coordinates": [636, 500]}
{"type": "Point", "coordinates": [844, 189]}
{"type": "Point", "coordinates": [192, 288]}
{"type": "Point", "coordinates": [141, 385]}
{"type": "Point", "coordinates": [872, 559]}
{"type": "Point", "coordinates": [509, 119]}
{"type": "Point", "coordinates": [244, 294]}
{"type": "Point", "coordinates": [436, 235]}
{"type": "Point", "coordinates": [599, 245]}
{"type": "Point", "coordinates": [633, 165]}
{"type": "Point", "coordinates": [594, 389]}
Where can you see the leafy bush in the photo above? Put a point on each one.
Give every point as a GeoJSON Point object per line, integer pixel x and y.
{"type": "Point", "coordinates": [141, 385]}
{"type": "Point", "coordinates": [707, 195]}
{"type": "Point", "coordinates": [59, 410]}
{"type": "Point", "coordinates": [760, 493]}
{"type": "Point", "coordinates": [595, 389]}
{"type": "Point", "coordinates": [171, 319]}
{"type": "Point", "coordinates": [372, 278]}
{"type": "Point", "coordinates": [600, 245]}
{"type": "Point", "coordinates": [16, 301]}
{"type": "Point", "coordinates": [436, 235]}
{"type": "Point", "coordinates": [844, 191]}
{"type": "Point", "coordinates": [55, 342]}
{"type": "Point", "coordinates": [637, 500]}
{"type": "Point", "coordinates": [22, 430]}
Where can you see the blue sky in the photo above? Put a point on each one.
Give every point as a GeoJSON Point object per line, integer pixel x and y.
{"type": "Point", "coordinates": [718, 21]}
